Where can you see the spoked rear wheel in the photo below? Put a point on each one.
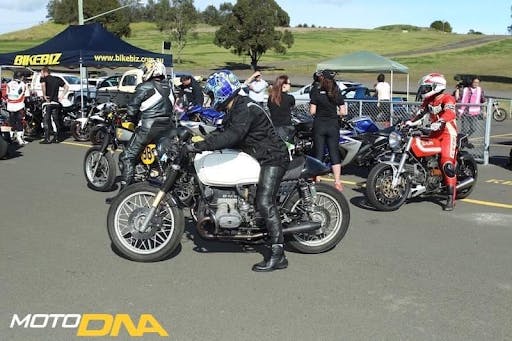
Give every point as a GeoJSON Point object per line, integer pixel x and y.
{"type": "Point", "coordinates": [331, 210]}
{"type": "Point", "coordinates": [124, 223]}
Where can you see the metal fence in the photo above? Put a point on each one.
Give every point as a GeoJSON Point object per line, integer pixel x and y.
{"type": "Point", "coordinates": [473, 120]}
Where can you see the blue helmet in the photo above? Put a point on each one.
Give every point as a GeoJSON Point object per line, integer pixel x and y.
{"type": "Point", "coordinates": [223, 85]}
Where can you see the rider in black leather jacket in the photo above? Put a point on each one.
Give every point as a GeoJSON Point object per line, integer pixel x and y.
{"type": "Point", "coordinates": [247, 127]}
{"type": "Point", "coordinates": [152, 106]}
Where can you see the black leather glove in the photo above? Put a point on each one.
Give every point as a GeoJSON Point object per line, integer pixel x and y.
{"type": "Point", "coordinates": [191, 148]}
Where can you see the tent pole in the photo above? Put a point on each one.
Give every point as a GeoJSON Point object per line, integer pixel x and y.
{"type": "Point", "coordinates": [407, 87]}
{"type": "Point", "coordinates": [81, 88]}
{"type": "Point", "coordinates": [391, 101]}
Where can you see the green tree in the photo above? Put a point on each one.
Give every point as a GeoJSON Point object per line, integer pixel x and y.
{"type": "Point", "coordinates": [443, 26]}
{"type": "Point", "coordinates": [66, 12]}
{"type": "Point", "coordinates": [510, 27]}
{"type": "Point", "coordinates": [250, 30]}
{"type": "Point", "coordinates": [211, 16]}
{"type": "Point", "coordinates": [177, 18]}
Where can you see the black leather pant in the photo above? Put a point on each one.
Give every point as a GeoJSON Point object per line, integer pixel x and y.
{"type": "Point", "coordinates": [15, 120]}
{"type": "Point", "coordinates": [268, 186]}
{"type": "Point", "coordinates": [51, 111]}
{"type": "Point", "coordinates": [150, 130]}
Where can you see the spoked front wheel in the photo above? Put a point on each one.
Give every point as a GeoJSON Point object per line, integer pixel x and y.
{"type": "Point", "coordinates": [499, 114]}
{"type": "Point", "coordinates": [125, 220]}
{"type": "Point", "coordinates": [99, 169]}
{"type": "Point", "coordinates": [331, 210]}
{"type": "Point", "coordinates": [380, 190]}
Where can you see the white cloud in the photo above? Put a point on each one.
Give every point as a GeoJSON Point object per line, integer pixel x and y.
{"type": "Point", "coordinates": [23, 6]}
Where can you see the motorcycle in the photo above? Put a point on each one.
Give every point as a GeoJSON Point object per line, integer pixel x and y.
{"type": "Point", "coordinates": [360, 143]}
{"type": "Point", "coordinates": [99, 164]}
{"type": "Point", "coordinates": [33, 116]}
{"type": "Point", "coordinates": [146, 222]}
{"type": "Point", "coordinates": [81, 128]}
{"type": "Point", "coordinates": [412, 169]}
{"type": "Point", "coordinates": [5, 133]}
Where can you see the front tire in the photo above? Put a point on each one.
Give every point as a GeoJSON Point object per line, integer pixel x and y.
{"type": "Point", "coordinates": [99, 169]}
{"type": "Point", "coordinates": [331, 210]}
{"type": "Point", "coordinates": [380, 192]}
{"type": "Point", "coordinates": [78, 133]}
{"type": "Point", "coordinates": [4, 146]}
{"type": "Point", "coordinates": [499, 115]}
{"type": "Point", "coordinates": [125, 215]}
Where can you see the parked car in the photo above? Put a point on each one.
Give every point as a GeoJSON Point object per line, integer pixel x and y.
{"type": "Point", "coordinates": [361, 100]}
{"type": "Point", "coordinates": [110, 82]}
{"type": "Point", "coordinates": [302, 95]}
{"type": "Point", "coordinates": [73, 82]}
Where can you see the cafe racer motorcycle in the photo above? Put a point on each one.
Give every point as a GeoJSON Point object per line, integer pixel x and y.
{"type": "Point", "coordinates": [412, 169]}
{"type": "Point", "coordinates": [146, 222]}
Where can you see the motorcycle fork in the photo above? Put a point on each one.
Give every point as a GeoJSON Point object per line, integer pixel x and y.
{"type": "Point", "coordinates": [401, 165]}
{"type": "Point", "coordinates": [169, 182]}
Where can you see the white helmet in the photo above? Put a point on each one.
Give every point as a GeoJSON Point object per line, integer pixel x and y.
{"type": "Point", "coordinates": [431, 84]}
{"type": "Point", "coordinates": [152, 68]}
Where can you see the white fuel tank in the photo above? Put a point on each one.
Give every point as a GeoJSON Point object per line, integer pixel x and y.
{"type": "Point", "coordinates": [226, 168]}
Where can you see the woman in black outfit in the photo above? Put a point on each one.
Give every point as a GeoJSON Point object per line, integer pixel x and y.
{"type": "Point", "coordinates": [280, 105]}
{"type": "Point", "coordinates": [326, 106]}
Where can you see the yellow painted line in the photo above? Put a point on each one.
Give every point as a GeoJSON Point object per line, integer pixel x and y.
{"type": "Point", "coordinates": [342, 181]}
{"type": "Point", "coordinates": [76, 144]}
{"type": "Point", "coordinates": [487, 203]}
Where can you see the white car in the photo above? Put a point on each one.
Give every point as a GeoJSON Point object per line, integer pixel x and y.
{"type": "Point", "coordinates": [73, 82]}
{"type": "Point", "coordinates": [302, 95]}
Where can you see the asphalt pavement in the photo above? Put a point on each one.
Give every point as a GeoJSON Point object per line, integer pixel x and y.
{"type": "Point", "coordinates": [415, 274]}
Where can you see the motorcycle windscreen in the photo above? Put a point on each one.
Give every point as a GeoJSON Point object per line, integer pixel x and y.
{"type": "Point", "coordinates": [226, 168]}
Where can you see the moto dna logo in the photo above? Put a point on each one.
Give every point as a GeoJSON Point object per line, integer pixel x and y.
{"type": "Point", "coordinates": [92, 324]}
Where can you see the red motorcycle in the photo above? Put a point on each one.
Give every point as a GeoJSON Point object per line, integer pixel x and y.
{"type": "Point", "coordinates": [412, 168]}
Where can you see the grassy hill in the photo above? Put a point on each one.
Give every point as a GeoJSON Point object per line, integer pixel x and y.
{"type": "Point", "coordinates": [422, 50]}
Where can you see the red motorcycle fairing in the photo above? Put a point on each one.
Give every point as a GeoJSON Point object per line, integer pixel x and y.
{"type": "Point", "coordinates": [424, 146]}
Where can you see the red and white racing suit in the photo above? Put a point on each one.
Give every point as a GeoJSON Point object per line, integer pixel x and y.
{"type": "Point", "coordinates": [441, 108]}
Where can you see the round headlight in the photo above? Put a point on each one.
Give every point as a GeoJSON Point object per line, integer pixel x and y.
{"type": "Point", "coordinates": [394, 139]}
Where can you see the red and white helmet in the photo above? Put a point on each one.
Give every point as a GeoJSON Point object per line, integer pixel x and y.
{"type": "Point", "coordinates": [431, 84]}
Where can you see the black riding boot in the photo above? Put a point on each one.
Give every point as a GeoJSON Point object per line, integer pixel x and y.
{"type": "Point", "coordinates": [450, 198]}
{"type": "Point", "coordinates": [128, 172]}
{"type": "Point", "coordinates": [46, 139]}
{"type": "Point", "coordinates": [276, 261]}
{"type": "Point", "coordinates": [268, 185]}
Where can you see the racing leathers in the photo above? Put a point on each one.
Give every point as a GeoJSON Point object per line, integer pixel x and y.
{"type": "Point", "coordinates": [441, 109]}
{"type": "Point", "coordinates": [247, 127]}
{"type": "Point", "coordinates": [16, 91]}
{"type": "Point", "coordinates": [151, 105]}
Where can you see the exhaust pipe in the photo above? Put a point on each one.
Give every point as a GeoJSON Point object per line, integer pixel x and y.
{"type": "Point", "coordinates": [300, 228]}
{"type": "Point", "coordinates": [465, 184]}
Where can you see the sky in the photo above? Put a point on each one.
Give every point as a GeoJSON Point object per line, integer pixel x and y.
{"type": "Point", "coordinates": [488, 17]}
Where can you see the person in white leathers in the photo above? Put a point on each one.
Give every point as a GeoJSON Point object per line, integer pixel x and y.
{"type": "Point", "coordinates": [16, 92]}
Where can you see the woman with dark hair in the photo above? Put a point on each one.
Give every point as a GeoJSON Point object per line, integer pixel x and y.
{"type": "Point", "coordinates": [280, 105]}
{"type": "Point", "coordinates": [327, 106]}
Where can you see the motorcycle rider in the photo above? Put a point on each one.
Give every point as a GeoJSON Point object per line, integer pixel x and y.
{"type": "Point", "coordinates": [248, 127]}
{"type": "Point", "coordinates": [16, 91]}
{"type": "Point", "coordinates": [50, 87]}
{"type": "Point", "coordinates": [441, 108]}
{"type": "Point", "coordinates": [151, 105]}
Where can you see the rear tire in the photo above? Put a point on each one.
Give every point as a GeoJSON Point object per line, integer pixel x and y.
{"type": "Point", "coordinates": [499, 115]}
{"type": "Point", "coordinates": [466, 169]}
{"type": "Point", "coordinates": [3, 147]}
{"type": "Point", "coordinates": [97, 135]}
{"type": "Point", "coordinates": [125, 214]}
{"type": "Point", "coordinates": [332, 211]}
{"type": "Point", "coordinates": [99, 169]}
{"type": "Point", "coordinates": [379, 191]}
